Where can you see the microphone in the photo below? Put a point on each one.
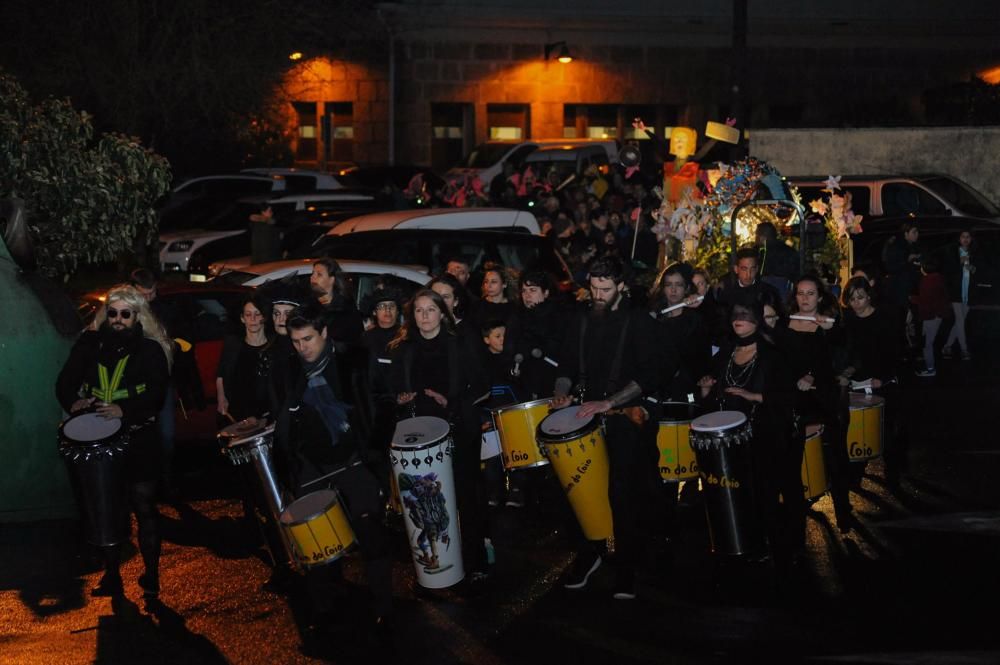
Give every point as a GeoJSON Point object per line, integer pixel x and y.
{"type": "Point", "coordinates": [516, 371]}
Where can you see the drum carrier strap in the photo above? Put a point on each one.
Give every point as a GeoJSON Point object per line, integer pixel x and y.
{"type": "Point", "coordinates": [616, 363]}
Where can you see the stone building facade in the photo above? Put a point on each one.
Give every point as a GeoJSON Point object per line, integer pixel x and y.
{"type": "Point", "coordinates": [453, 74]}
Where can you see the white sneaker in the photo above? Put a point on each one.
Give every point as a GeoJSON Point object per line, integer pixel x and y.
{"type": "Point", "coordinates": [926, 373]}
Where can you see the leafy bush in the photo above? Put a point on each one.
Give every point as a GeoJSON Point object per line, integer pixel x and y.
{"type": "Point", "coordinates": [88, 200]}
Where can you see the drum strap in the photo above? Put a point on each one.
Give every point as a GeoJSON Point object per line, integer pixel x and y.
{"type": "Point", "coordinates": [108, 391]}
{"type": "Point", "coordinates": [616, 363]}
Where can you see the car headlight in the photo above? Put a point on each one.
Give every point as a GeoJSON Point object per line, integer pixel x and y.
{"type": "Point", "coordinates": [180, 246]}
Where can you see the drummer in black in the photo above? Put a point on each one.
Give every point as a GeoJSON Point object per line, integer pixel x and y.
{"type": "Point", "coordinates": [610, 362]}
{"type": "Point", "coordinates": [439, 373]}
{"type": "Point", "coordinates": [317, 440]}
{"type": "Point", "coordinates": [751, 376]}
{"type": "Point", "coordinates": [121, 370]}
{"type": "Point", "coordinates": [683, 332]}
{"type": "Point", "coordinates": [538, 332]}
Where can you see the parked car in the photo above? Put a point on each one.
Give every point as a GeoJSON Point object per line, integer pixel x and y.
{"type": "Point", "coordinates": [227, 234]}
{"type": "Point", "coordinates": [441, 219]}
{"type": "Point", "coordinates": [487, 159]}
{"type": "Point", "coordinates": [197, 200]}
{"type": "Point", "coordinates": [936, 233]}
{"type": "Point", "coordinates": [399, 175]}
{"type": "Point", "coordinates": [568, 160]}
{"type": "Point", "coordinates": [362, 274]}
{"type": "Point", "coordinates": [900, 195]}
{"type": "Point", "coordinates": [431, 248]}
{"type": "Point", "coordinates": [301, 180]}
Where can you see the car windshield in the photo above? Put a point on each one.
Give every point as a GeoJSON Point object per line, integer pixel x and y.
{"type": "Point", "coordinates": [485, 155]}
{"type": "Point", "coordinates": [962, 196]}
{"type": "Point", "coordinates": [235, 277]}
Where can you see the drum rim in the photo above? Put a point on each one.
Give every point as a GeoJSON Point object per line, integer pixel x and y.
{"type": "Point", "coordinates": [306, 520]}
{"type": "Point", "coordinates": [423, 446]}
{"type": "Point", "coordinates": [818, 432]}
{"type": "Point", "coordinates": [103, 441]}
{"type": "Point", "coordinates": [689, 405]}
{"type": "Point", "coordinates": [428, 444]}
{"type": "Point", "coordinates": [527, 466]}
{"type": "Point", "coordinates": [522, 406]}
{"type": "Point", "coordinates": [719, 431]}
{"type": "Point", "coordinates": [258, 441]}
{"type": "Point", "coordinates": [541, 437]}
{"type": "Point", "coordinates": [866, 402]}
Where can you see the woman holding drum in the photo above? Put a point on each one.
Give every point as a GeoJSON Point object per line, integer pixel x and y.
{"type": "Point", "coordinates": [682, 327]}
{"type": "Point", "coordinates": [874, 356]}
{"type": "Point", "coordinates": [810, 337]}
{"type": "Point", "coordinates": [114, 383]}
{"type": "Point", "coordinates": [439, 373]}
{"type": "Point", "coordinates": [752, 379]}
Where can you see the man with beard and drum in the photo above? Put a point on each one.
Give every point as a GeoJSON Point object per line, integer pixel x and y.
{"type": "Point", "coordinates": [318, 440]}
{"type": "Point", "coordinates": [611, 360]}
{"type": "Point", "coordinates": [121, 371]}
{"type": "Point", "coordinates": [683, 331]}
{"type": "Point", "coordinates": [439, 373]}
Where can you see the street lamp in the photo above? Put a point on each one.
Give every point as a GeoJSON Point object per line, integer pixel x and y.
{"type": "Point", "coordinates": [561, 51]}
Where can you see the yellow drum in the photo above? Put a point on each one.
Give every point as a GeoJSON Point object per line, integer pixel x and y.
{"type": "Point", "coordinates": [815, 480]}
{"type": "Point", "coordinates": [318, 528]}
{"type": "Point", "coordinates": [576, 449]}
{"type": "Point", "coordinates": [516, 425]}
{"type": "Point", "coordinates": [864, 434]}
{"type": "Point", "coordinates": [677, 461]}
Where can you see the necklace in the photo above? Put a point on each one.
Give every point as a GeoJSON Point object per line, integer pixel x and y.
{"type": "Point", "coordinates": [738, 376]}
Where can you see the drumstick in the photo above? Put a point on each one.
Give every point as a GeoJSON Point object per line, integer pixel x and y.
{"type": "Point", "coordinates": [231, 419]}
{"type": "Point", "coordinates": [813, 319]}
{"type": "Point", "coordinates": [681, 304]}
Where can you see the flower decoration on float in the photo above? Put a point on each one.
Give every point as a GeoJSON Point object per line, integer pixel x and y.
{"type": "Point", "coordinates": [839, 222]}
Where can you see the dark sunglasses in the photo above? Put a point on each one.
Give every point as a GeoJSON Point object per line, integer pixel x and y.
{"type": "Point", "coordinates": [125, 314]}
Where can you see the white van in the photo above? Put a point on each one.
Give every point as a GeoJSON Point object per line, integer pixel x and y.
{"type": "Point", "coordinates": [446, 219]}
{"type": "Point", "coordinates": [487, 159]}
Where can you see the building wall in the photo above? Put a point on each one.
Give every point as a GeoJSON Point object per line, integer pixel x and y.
{"type": "Point", "coordinates": [799, 71]}
{"type": "Point", "coordinates": [969, 153]}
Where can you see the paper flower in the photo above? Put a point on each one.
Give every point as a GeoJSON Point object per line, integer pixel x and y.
{"type": "Point", "coordinates": [818, 207]}
{"type": "Point", "coordinates": [832, 183]}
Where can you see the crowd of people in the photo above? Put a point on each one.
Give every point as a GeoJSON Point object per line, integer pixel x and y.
{"type": "Point", "coordinates": [335, 379]}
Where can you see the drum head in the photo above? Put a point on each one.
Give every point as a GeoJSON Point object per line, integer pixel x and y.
{"type": "Point", "coordinates": [523, 406]}
{"type": "Point", "coordinates": [718, 421]}
{"type": "Point", "coordinates": [247, 428]}
{"type": "Point", "coordinates": [419, 432]}
{"type": "Point", "coordinates": [564, 423]}
{"type": "Point", "coordinates": [309, 506]}
{"type": "Point", "coordinates": [678, 412]}
{"type": "Point", "coordinates": [90, 428]}
{"type": "Point", "coordinates": [865, 401]}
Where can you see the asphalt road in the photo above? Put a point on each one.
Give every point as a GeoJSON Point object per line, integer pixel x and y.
{"type": "Point", "coordinates": [916, 583]}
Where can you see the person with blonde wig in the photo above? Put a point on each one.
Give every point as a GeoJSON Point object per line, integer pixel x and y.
{"type": "Point", "coordinates": [120, 370]}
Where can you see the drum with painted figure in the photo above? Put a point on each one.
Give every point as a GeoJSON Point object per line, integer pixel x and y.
{"type": "Point", "coordinates": [864, 433]}
{"type": "Point", "coordinates": [721, 442]}
{"type": "Point", "coordinates": [815, 479]}
{"type": "Point", "coordinates": [94, 449]}
{"type": "Point", "coordinates": [576, 449]}
{"type": "Point", "coordinates": [318, 528]}
{"type": "Point", "coordinates": [677, 459]}
{"type": "Point", "coordinates": [517, 425]}
{"type": "Point", "coordinates": [421, 452]}
{"type": "Point", "coordinates": [248, 445]}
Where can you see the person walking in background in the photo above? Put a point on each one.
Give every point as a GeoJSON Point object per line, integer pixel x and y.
{"type": "Point", "coordinates": [932, 307]}
{"type": "Point", "coordinates": [959, 266]}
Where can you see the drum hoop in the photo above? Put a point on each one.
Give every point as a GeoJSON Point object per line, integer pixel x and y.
{"type": "Point", "coordinates": [257, 441]}
{"type": "Point", "coordinates": [528, 466]}
{"type": "Point", "coordinates": [522, 406]}
{"type": "Point", "coordinates": [688, 405]}
{"type": "Point", "coordinates": [305, 520]}
{"type": "Point", "coordinates": [675, 422]}
{"type": "Point", "coordinates": [716, 430]}
{"type": "Point", "coordinates": [818, 432]}
{"type": "Point", "coordinates": [118, 433]}
{"type": "Point", "coordinates": [868, 402]}
{"type": "Point", "coordinates": [424, 446]}
{"type": "Point", "coordinates": [589, 428]}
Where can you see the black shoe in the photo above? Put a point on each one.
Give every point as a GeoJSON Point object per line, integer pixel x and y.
{"type": "Point", "coordinates": [583, 567]}
{"type": "Point", "coordinates": [109, 586]}
{"type": "Point", "coordinates": [150, 583]}
{"type": "Point", "coordinates": [624, 584]}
